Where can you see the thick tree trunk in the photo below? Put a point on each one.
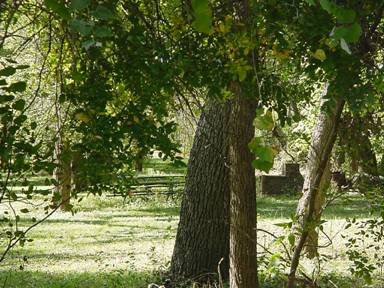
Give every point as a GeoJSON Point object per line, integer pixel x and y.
{"type": "Point", "coordinates": [316, 180]}
{"type": "Point", "coordinates": [243, 261]}
{"type": "Point", "coordinates": [203, 234]}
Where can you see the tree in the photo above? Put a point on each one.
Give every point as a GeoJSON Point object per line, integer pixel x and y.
{"type": "Point", "coordinates": [88, 53]}
{"type": "Point", "coordinates": [317, 178]}
{"type": "Point", "coordinates": [202, 239]}
{"type": "Point", "coordinates": [244, 74]}
{"type": "Point", "coordinates": [343, 83]}
{"type": "Point", "coordinates": [243, 260]}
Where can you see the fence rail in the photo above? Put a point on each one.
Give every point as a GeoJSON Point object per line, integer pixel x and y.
{"type": "Point", "coordinates": [143, 185]}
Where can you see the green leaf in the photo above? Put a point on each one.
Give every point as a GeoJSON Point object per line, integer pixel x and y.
{"type": "Point", "coordinates": [345, 16]}
{"type": "Point", "coordinates": [22, 67]}
{"type": "Point", "coordinates": [350, 33]}
{"type": "Point", "coordinates": [345, 46]}
{"type": "Point", "coordinates": [80, 4]}
{"type": "Point", "coordinates": [102, 32]}
{"type": "Point", "coordinates": [19, 105]}
{"type": "Point", "coordinates": [10, 60]}
{"type": "Point", "coordinates": [320, 55]}
{"type": "Point", "coordinates": [17, 87]}
{"type": "Point", "coordinates": [103, 13]}
{"type": "Point", "coordinates": [87, 44]}
{"type": "Point", "coordinates": [262, 165]}
{"type": "Point", "coordinates": [7, 71]}
{"type": "Point", "coordinates": [265, 153]}
{"type": "Point", "coordinates": [203, 16]}
{"type": "Point", "coordinates": [291, 239]}
{"type": "Point", "coordinates": [328, 6]}
{"type": "Point", "coordinates": [311, 2]}
{"type": "Point", "coordinates": [265, 121]}
{"type": "Point", "coordinates": [3, 82]}
{"type": "Point", "coordinates": [255, 143]}
{"type": "Point", "coordinates": [20, 119]}
{"type": "Point", "coordinates": [6, 98]}
{"type": "Point", "coordinates": [284, 224]}
{"type": "Point", "coordinates": [367, 278]}
{"type": "Point", "coordinates": [59, 8]}
{"type": "Point", "coordinates": [81, 26]}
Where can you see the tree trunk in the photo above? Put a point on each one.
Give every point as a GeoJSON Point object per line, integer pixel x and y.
{"type": "Point", "coordinates": [316, 178]}
{"type": "Point", "coordinates": [139, 161]}
{"type": "Point", "coordinates": [203, 233]}
{"type": "Point", "coordinates": [64, 177]}
{"type": "Point", "coordinates": [243, 261]}
{"type": "Point", "coordinates": [313, 235]}
{"type": "Point", "coordinates": [65, 186]}
{"type": "Point", "coordinates": [63, 170]}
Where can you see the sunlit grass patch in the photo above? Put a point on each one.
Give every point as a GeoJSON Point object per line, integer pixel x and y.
{"type": "Point", "coordinates": [112, 242]}
{"type": "Point", "coordinates": [101, 238]}
{"type": "Point", "coordinates": [115, 279]}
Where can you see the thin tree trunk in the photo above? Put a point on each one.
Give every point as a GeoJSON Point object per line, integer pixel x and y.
{"type": "Point", "coordinates": [64, 177]}
{"type": "Point", "coordinates": [66, 186]}
{"type": "Point", "coordinates": [313, 235]}
{"type": "Point", "coordinates": [243, 261]}
{"type": "Point", "coordinates": [63, 170]}
{"type": "Point", "coordinates": [139, 161]}
{"type": "Point", "coordinates": [316, 178]}
{"type": "Point", "coordinates": [203, 233]}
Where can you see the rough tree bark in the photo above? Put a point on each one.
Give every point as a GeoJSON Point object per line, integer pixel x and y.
{"type": "Point", "coordinates": [203, 233]}
{"type": "Point", "coordinates": [63, 175]}
{"type": "Point", "coordinates": [323, 139]}
{"type": "Point", "coordinates": [243, 261]}
{"type": "Point", "coordinates": [63, 170]}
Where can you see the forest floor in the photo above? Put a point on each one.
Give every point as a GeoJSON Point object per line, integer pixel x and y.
{"type": "Point", "coordinates": [112, 243]}
{"type": "Point", "coordinates": [109, 243]}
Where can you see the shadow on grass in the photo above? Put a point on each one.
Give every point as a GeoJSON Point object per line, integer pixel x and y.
{"type": "Point", "coordinates": [37, 279]}
{"type": "Point", "coordinates": [285, 206]}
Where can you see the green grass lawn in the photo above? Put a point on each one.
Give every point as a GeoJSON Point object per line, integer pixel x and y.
{"type": "Point", "coordinates": [159, 166]}
{"type": "Point", "coordinates": [112, 243]}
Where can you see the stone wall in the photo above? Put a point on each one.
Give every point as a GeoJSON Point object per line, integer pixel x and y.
{"type": "Point", "coordinates": [290, 182]}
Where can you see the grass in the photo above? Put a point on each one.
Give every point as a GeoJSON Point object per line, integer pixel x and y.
{"type": "Point", "coordinates": [284, 206]}
{"type": "Point", "coordinates": [106, 240]}
{"type": "Point", "coordinates": [112, 243]}
{"type": "Point", "coordinates": [34, 279]}
{"type": "Point", "coordinates": [159, 166]}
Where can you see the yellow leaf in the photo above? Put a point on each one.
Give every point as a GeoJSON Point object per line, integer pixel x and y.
{"type": "Point", "coordinates": [136, 119]}
{"type": "Point", "coordinates": [83, 117]}
{"type": "Point", "coordinates": [320, 55]}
